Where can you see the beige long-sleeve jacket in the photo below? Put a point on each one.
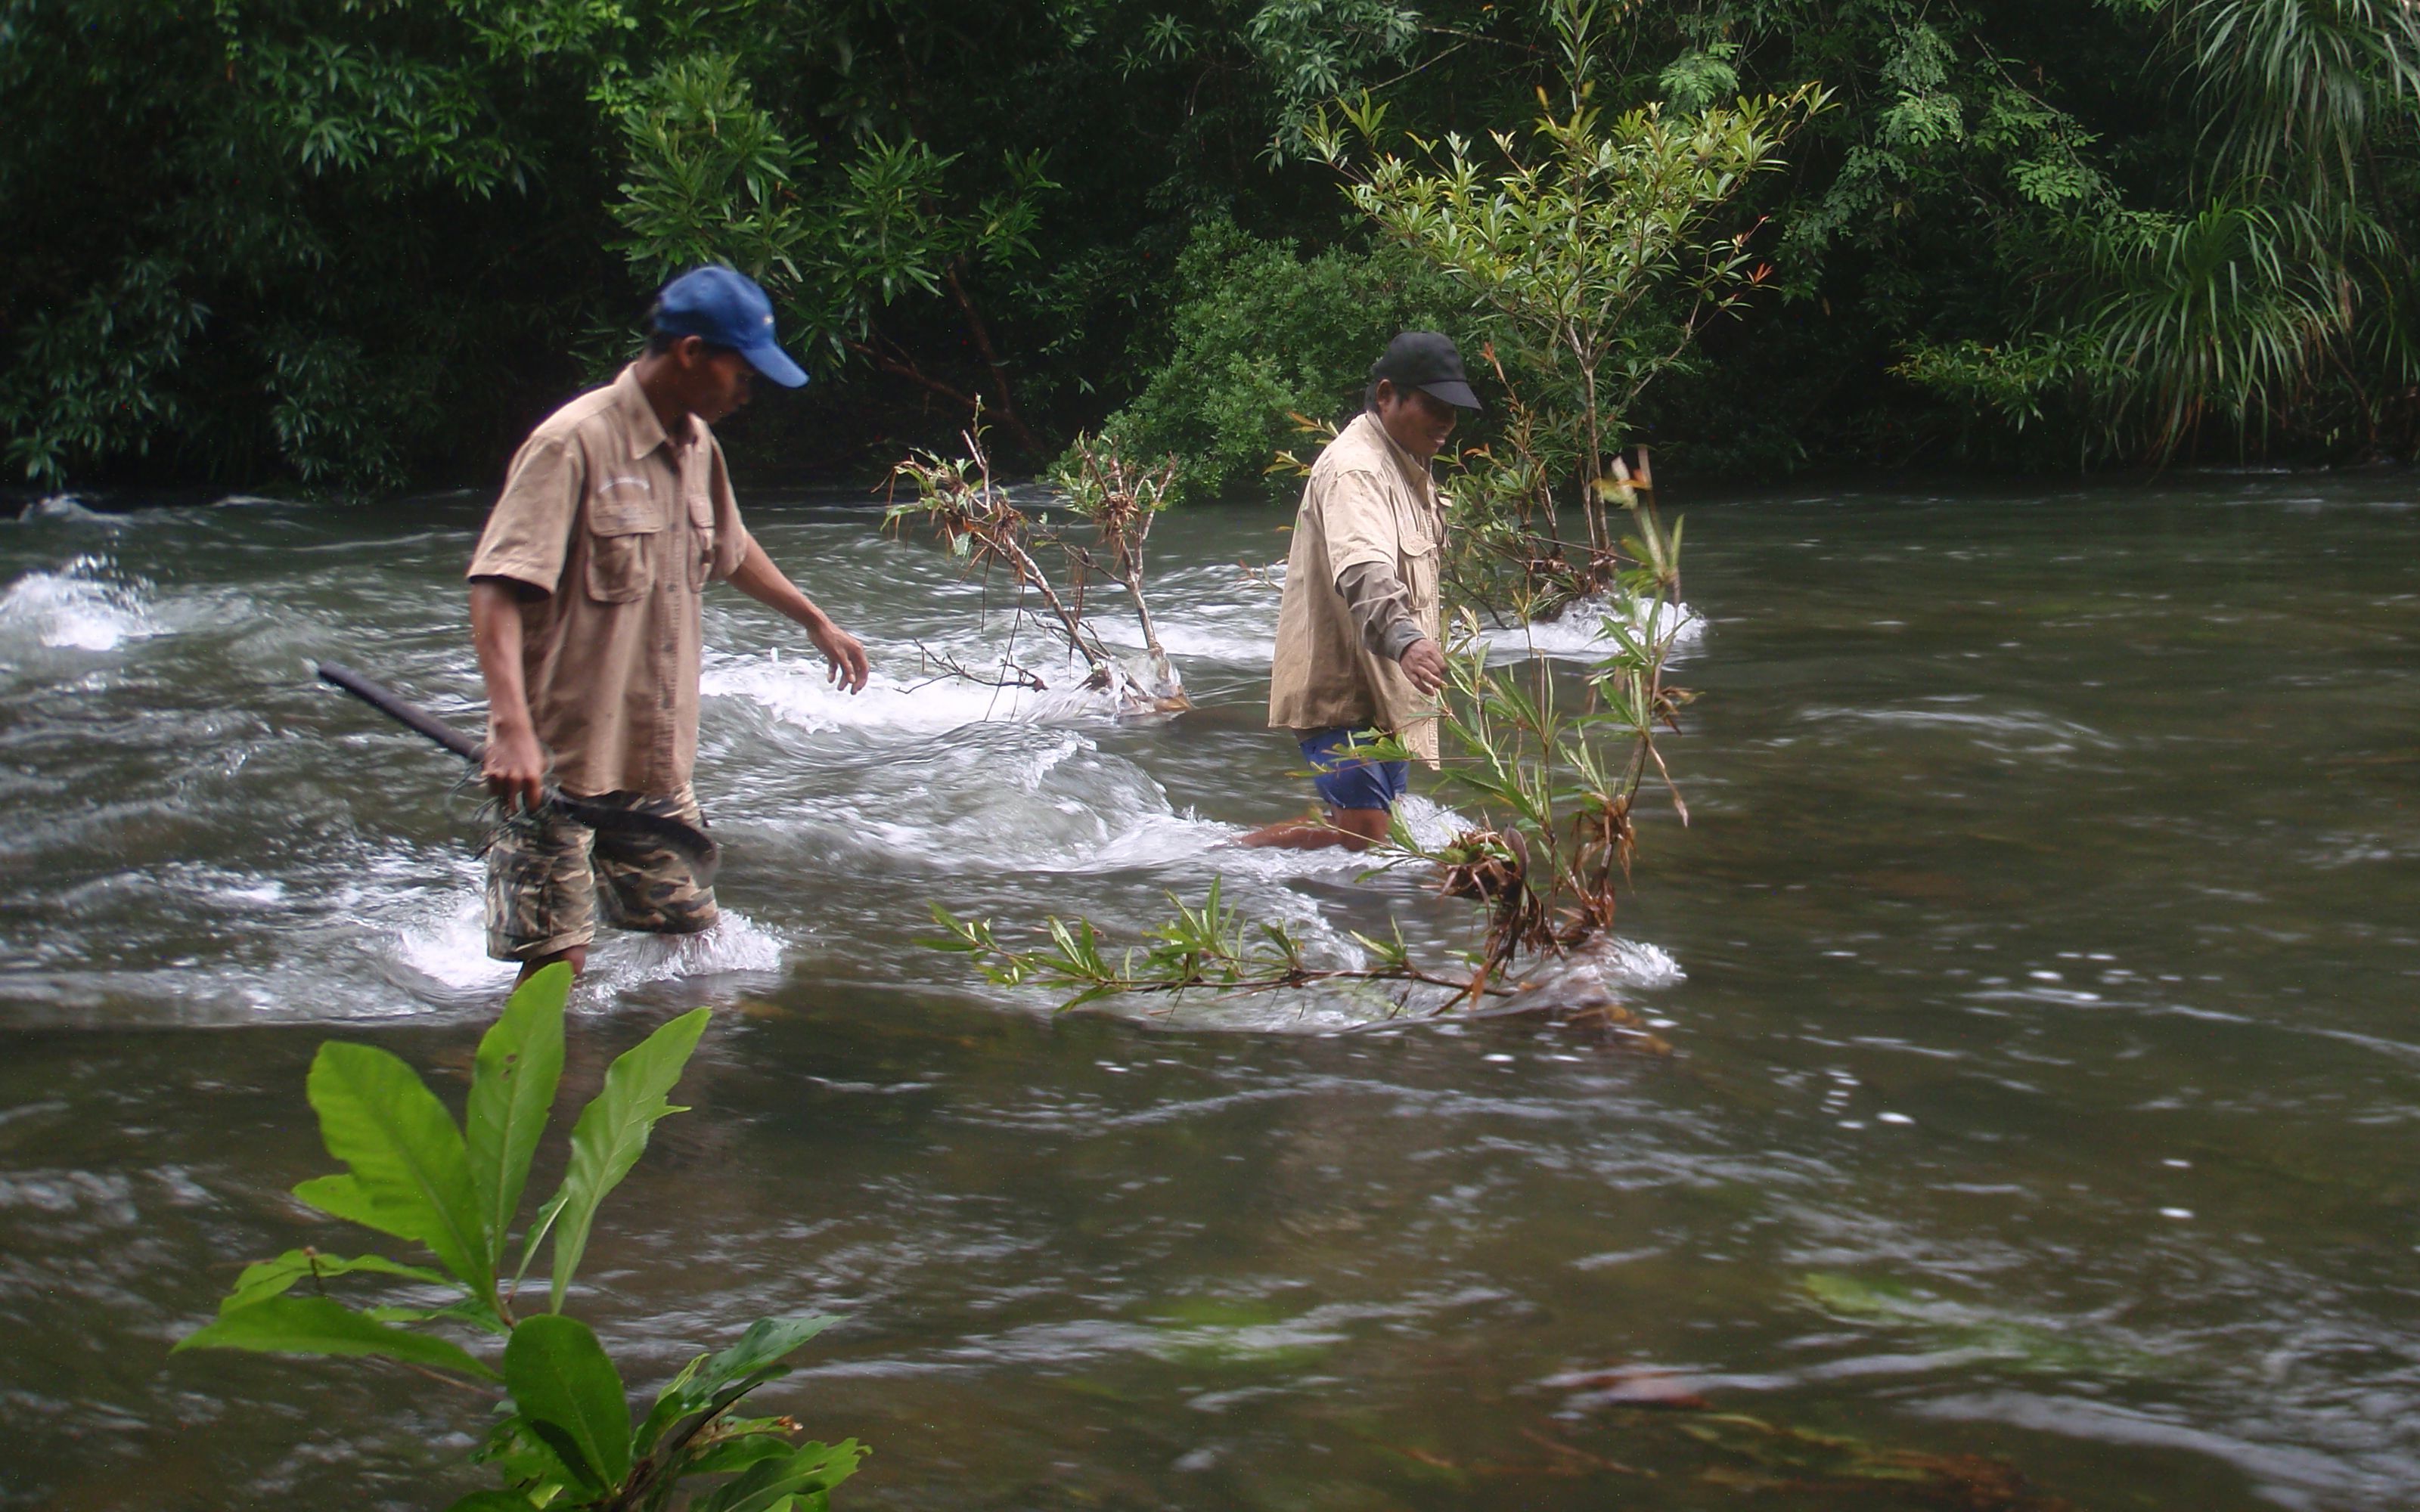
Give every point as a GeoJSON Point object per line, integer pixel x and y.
{"type": "Point", "coordinates": [1367, 501]}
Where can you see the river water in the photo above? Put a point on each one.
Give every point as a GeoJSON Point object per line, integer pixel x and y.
{"type": "Point", "coordinates": [2039, 971]}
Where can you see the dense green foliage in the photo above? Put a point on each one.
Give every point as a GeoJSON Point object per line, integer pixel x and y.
{"type": "Point", "coordinates": [349, 243]}
{"type": "Point", "coordinates": [1591, 243]}
{"type": "Point", "coordinates": [1261, 335]}
{"type": "Point", "coordinates": [564, 1437]}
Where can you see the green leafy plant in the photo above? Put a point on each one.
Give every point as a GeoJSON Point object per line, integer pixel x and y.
{"type": "Point", "coordinates": [565, 1439]}
{"type": "Point", "coordinates": [1261, 331]}
{"type": "Point", "coordinates": [714, 178]}
{"type": "Point", "coordinates": [1555, 787]}
{"type": "Point", "coordinates": [1596, 248]}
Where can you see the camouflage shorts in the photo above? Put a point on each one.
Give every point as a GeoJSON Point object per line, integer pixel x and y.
{"type": "Point", "coordinates": [546, 875]}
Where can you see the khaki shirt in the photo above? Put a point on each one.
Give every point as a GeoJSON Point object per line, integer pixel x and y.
{"type": "Point", "coordinates": [621, 529]}
{"type": "Point", "coordinates": [1367, 500]}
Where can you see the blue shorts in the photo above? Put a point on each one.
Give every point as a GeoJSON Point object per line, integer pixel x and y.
{"type": "Point", "coordinates": [1349, 781]}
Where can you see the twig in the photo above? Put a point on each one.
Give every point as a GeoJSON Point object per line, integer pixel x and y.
{"type": "Point", "coordinates": [953, 668]}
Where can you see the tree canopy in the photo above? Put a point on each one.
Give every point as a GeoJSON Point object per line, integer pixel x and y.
{"type": "Point", "coordinates": [349, 245]}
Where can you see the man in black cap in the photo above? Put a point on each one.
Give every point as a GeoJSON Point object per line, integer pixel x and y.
{"type": "Point", "coordinates": [1358, 652]}
{"type": "Point", "coordinates": [585, 593]}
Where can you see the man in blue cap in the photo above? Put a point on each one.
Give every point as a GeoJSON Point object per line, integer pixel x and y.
{"type": "Point", "coordinates": [584, 597]}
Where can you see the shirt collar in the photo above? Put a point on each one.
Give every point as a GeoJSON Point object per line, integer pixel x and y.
{"type": "Point", "coordinates": [1416, 471]}
{"type": "Point", "coordinates": [639, 416]}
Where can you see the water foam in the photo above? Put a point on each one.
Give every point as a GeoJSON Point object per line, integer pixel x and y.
{"type": "Point", "coordinates": [74, 609]}
{"type": "Point", "coordinates": [446, 947]}
{"type": "Point", "coordinates": [1580, 635]}
{"type": "Point", "coordinates": [798, 693]}
{"type": "Point", "coordinates": [67, 509]}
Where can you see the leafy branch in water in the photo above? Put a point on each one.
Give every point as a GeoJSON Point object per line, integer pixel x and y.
{"type": "Point", "coordinates": [976, 522]}
{"type": "Point", "coordinates": [565, 1440]}
{"type": "Point", "coordinates": [1554, 784]}
{"type": "Point", "coordinates": [1212, 947]}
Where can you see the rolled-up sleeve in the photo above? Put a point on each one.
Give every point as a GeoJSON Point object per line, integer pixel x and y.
{"type": "Point", "coordinates": [1381, 608]}
{"type": "Point", "coordinates": [528, 536]}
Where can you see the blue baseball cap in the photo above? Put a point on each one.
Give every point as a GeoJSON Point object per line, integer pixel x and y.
{"type": "Point", "coordinates": [725, 307]}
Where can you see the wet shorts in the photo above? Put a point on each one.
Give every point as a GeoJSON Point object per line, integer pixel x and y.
{"type": "Point", "coordinates": [1349, 781]}
{"type": "Point", "coordinates": [547, 874]}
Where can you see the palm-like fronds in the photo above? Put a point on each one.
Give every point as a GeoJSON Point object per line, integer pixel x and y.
{"type": "Point", "coordinates": [2228, 310]}
{"type": "Point", "coordinates": [2294, 88]}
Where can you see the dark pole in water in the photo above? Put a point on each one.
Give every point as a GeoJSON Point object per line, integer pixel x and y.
{"type": "Point", "coordinates": [694, 845]}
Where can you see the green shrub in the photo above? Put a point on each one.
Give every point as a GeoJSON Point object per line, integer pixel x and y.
{"type": "Point", "coordinates": [1263, 333]}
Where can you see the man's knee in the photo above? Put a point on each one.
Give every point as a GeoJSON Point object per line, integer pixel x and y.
{"type": "Point", "coordinates": [1362, 828]}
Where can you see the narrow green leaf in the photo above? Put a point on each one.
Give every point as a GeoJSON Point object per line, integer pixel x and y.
{"type": "Point", "coordinates": [471, 1312]}
{"type": "Point", "coordinates": [571, 1397]}
{"type": "Point", "coordinates": [758, 1353]}
{"type": "Point", "coordinates": [512, 1089]}
{"type": "Point", "coordinates": [610, 1137]}
{"type": "Point", "coordinates": [672, 1405]}
{"type": "Point", "coordinates": [408, 1161]}
{"type": "Point", "coordinates": [737, 1454]}
{"type": "Point", "coordinates": [317, 1325]}
{"type": "Point", "coordinates": [264, 1279]}
{"type": "Point", "coordinates": [493, 1502]}
{"type": "Point", "coordinates": [811, 1469]}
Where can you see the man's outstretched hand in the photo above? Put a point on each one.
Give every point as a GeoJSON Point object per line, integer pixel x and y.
{"type": "Point", "coordinates": [1424, 664]}
{"type": "Point", "coordinates": [846, 655]}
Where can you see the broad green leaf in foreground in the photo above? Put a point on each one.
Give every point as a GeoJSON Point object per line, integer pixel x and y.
{"type": "Point", "coordinates": [264, 1279]}
{"type": "Point", "coordinates": [571, 1397]}
{"type": "Point", "coordinates": [512, 1090]}
{"type": "Point", "coordinates": [493, 1502]}
{"type": "Point", "coordinates": [408, 1161]}
{"type": "Point", "coordinates": [609, 1139]}
{"type": "Point", "coordinates": [317, 1325]}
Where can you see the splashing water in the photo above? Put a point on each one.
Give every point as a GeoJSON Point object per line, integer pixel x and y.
{"type": "Point", "coordinates": [76, 609]}
{"type": "Point", "coordinates": [1579, 635]}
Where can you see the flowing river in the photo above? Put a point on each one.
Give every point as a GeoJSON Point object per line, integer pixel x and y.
{"type": "Point", "coordinates": [2039, 968]}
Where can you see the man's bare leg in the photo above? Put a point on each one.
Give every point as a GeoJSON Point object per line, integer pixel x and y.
{"type": "Point", "coordinates": [1356, 829]}
{"type": "Point", "coordinates": [577, 955]}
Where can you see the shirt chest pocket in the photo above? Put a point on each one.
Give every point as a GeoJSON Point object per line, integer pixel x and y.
{"type": "Point", "coordinates": [1418, 548]}
{"type": "Point", "coordinates": [623, 536]}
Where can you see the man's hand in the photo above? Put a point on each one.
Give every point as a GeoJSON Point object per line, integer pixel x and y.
{"type": "Point", "coordinates": [761, 580]}
{"type": "Point", "coordinates": [514, 766]}
{"type": "Point", "coordinates": [514, 763]}
{"type": "Point", "coordinates": [1424, 664]}
{"type": "Point", "coordinates": [846, 654]}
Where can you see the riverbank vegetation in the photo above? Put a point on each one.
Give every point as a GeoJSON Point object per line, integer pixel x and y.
{"type": "Point", "coordinates": [345, 246]}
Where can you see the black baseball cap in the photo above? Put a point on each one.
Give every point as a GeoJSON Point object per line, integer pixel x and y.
{"type": "Point", "coordinates": [1425, 361]}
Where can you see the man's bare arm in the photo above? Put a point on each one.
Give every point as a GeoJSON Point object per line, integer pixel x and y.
{"type": "Point", "coordinates": [514, 763]}
{"type": "Point", "coordinates": [761, 580]}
